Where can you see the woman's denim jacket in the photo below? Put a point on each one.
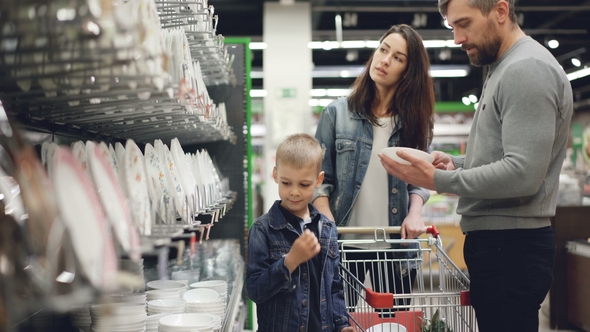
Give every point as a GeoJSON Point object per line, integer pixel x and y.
{"type": "Point", "coordinates": [348, 140]}
{"type": "Point", "coordinates": [281, 297]}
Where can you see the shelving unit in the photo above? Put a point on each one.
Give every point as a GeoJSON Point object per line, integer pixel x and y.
{"type": "Point", "coordinates": [61, 75]}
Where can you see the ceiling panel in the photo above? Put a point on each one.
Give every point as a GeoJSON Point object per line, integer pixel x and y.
{"type": "Point", "coordinates": [566, 21]}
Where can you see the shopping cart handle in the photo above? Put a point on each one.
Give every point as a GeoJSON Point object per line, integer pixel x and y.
{"type": "Point", "coordinates": [432, 230]}
{"type": "Point", "coordinates": [379, 300]}
{"type": "Point", "coordinates": [381, 230]}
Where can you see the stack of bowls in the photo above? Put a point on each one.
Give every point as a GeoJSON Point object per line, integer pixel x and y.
{"type": "Point", "coordinates": [132, 266]}
{"type": "Point", "coordinates": [217, 320]}
{"type": "Point", "coordinates": [172, 306]}
{"type": "Point", "coordinates": [165, 289]}
{"type": "Point", "coordinates": [187, 323]}
{"type": "Point", "coordinates": [204, 301]}
{"type": "Point", "coordinates": [131, 298]}
{"type": "Point", "coordinates": [80, 316]}
{"type": "Point", "coordinates": [218, 285]}
{"type": "Point", "coordinates": [151, 322]}
{"type": "Point", "coordinates": [118, 317]}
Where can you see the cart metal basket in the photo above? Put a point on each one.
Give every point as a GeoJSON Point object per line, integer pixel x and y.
{"type": "Point", "coordinates": [394, 285]}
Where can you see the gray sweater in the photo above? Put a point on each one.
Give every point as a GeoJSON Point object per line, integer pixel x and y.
{"type": "Point", "coordinates": [508, 178]}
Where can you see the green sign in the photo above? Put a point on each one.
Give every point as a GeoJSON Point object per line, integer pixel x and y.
{"type": "Point", "coordinates": [287, 93]}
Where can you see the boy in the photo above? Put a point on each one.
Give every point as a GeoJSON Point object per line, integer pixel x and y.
{"type": "Point", "coordinates": [293, 256]}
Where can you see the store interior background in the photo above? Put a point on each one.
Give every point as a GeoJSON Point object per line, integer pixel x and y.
{"type": "Point", "coordinates": [306, 54]}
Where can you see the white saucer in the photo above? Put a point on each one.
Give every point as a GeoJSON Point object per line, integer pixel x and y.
{"type": "Point", "coordinates": [392, 153]}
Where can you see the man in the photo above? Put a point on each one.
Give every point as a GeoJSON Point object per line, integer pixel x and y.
{"type": "Point", "coordinates": [508, 179]}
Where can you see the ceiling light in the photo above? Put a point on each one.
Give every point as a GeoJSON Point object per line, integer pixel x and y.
{"type": "Point", "coordinates": [328, 45]}
{"type": "Point", "coordinates": [434, 43]}
{"type": "Point", "coordinates": [445, 54]}
{"type": "Point", "coordinates": [354, 71]}
{"type": "Point", "coordinates": [372, 44]}
{"type": "Point", "coordinates": [578, 74]}
{"type": "Point", "coordinates": [259, 93]}
{"type": "Point", "coordinates": [353, 44]}
{"type": "Point", "coordinates": [258, 46]}
{"type": "Point", "coordinates": [576, 62]}
{"type": "Point", "coordinates": [344, 73]}
{"type": "Point", "coordinates": [466, 101]}
{"type": "Point", "coordinates": [448, 72]}
{"type": "Point", "coordinates": [553, 44]}
{"type": "Point", "coordinates": [352, 55]}
{"type": "Point", "coordinates": [337, 92]}
{"type": "Point", "coordinates": [255, 93]}
{"type": "Point", "coordinates": [319, 102]}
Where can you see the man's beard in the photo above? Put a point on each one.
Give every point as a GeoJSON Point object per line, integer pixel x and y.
{"type": "Point", "coordinates": [487, 52]}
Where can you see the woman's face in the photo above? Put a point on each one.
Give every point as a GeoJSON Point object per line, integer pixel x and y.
{"type": "Point", "coordinates": [389, 61]}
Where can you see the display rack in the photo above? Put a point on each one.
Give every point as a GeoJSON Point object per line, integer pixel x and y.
{"type": "Point", "coordinates": [59, 76]}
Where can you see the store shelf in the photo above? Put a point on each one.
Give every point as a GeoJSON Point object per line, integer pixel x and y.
{"type": "Point", "coordinates": [58, 77]}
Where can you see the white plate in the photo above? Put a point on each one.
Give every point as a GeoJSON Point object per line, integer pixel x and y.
{"type": "Point", "coordinates": [83, 216]}
{"type": "Point", "coordinates": [136, 182]}
{"type": "Point", "coordinates": [47, 153]}
{"type": "Point", "coordinates": [79, 151]}
{"type": "Point", "coordinates": [114, 158]}
{"type": "Point", "coordinates": [186, 175]}
{"type": "Point", "coordinates": [157, 181]}
{"type": "Point", "coordinates": [106, 153]}
{"type": "Point", "coordinates": [13, 202]}
{"type": "Point", "coordinates": [391, 153]}
{"type": "Point", "coordinates": [113, 199]}
{"type": "Point", "coordinates": [174, 184]}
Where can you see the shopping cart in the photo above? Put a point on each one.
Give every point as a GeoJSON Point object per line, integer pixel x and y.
{"type": "Point", "coordinates": [394, 285]}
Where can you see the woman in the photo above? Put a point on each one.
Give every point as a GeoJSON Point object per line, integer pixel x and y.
{"type": "Point", "coordinates": [391, 104]}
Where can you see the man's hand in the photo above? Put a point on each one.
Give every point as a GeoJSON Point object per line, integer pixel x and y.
{"type": "Point", "coordinates": [350, 329]}
{"type": "Point", "coordinates": [420, 173]}
{"type": "Point", "coordinates": [304, 248]}
{"type": "Point", "coordinates": [442, 161]}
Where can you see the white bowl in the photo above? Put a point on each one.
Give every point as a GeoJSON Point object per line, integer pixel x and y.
{"type": "Point", "coordinates": [195, 321]}
{"type": "Point", "coordinates": [166, 303]}
{"type": "Point", "coordinates": [200, 295]}
{"type": "Point", "coordinates": [387, 327]}
{"type": "Point", "coordinates": [165, 284]}
{"type": "Point", "coordinates": [220, 286]}
{"type": "Point", "coordinates": [163, 294]}
{"type": "Point", "coordinates": [392, 153]}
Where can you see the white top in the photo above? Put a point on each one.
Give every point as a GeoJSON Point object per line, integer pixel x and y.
{"type": "Point", "coordinates": [370, 207]}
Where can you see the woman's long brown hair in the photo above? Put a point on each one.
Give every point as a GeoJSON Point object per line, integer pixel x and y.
{"type": "Point", "coordinates": [413, 100]}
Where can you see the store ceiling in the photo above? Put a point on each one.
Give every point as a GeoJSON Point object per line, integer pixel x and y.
{"type": "Point", "coordinates": [567, 21]}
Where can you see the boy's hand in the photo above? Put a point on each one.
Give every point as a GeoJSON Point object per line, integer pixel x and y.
{"type": "Point", "coordinates": [350, 329]}
{"type": "Point", "coordinates": [304, 248]}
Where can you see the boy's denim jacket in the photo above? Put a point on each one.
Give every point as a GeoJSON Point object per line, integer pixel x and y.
{"type": "Point", "coordinates": [282, 298]}
{"type": "Point", "coordinates": [348, 140]}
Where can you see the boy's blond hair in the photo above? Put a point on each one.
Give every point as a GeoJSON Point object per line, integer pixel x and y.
{"type": "Point", "coordinates": [299, 151]}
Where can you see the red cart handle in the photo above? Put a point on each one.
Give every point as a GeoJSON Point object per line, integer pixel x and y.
{"type": "Point", "coordinates": [432, 230]}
